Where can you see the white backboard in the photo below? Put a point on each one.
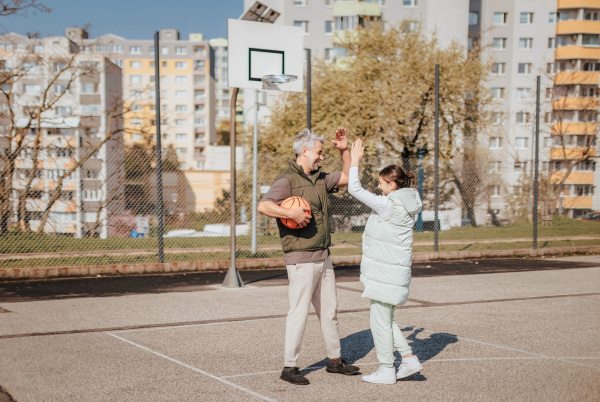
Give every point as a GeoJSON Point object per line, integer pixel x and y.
{"type": "Point", "coordinates": [256, 49]}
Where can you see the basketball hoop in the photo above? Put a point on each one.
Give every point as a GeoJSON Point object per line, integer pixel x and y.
{"type": "Point", "coordinates": [277, 82]}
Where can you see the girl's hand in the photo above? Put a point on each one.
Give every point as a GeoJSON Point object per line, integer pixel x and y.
{"type": "Point", "coordinates": [357, 152]}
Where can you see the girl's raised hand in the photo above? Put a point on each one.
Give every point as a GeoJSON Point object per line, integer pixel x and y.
{"type": "Point", "coordinates": [357, 152]}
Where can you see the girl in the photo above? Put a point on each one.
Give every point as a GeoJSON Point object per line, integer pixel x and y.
{"type": "Point", "coordinates": [386, 261]}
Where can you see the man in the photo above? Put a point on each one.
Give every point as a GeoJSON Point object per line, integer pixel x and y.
{"type": "Point", "coordinates": [306, 249]}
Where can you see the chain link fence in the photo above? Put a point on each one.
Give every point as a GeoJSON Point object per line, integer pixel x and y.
{"type": "Point", "coordinates": [106, 211]}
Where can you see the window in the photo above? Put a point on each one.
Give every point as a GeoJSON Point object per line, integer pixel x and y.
{"type": "Point", "coordinates": [136, 122]}
{"type": "Point", "coordinates": [328, 54]}
{"type": "Point", "coordinates": [91, 195]}
{"type": "Point", "coordinates": [525, 43]}
{"type": "Point", "coordinates": [33, 89]}
{"type": "Point", "coordinates": [500, 18]}
{"type": "Point", "coordinates": [135, 79]}
{"type": "Point", "coordinates": [591, 16]}
{"type": "Point", "coordinates": [300, 2]}
{"type": "Point", "coordinates": [495, 166]}
{"type": "Point", "coordinates": [180, 50]}
{"type": "Point", "coordinates": [411, 3]}
{"type": "Point", "coordinates": [519, 167]}
{"type": "Point", "coordinates": [199, 138]}
{"type": "Point", "coordinates": [497, 118]}
{"type": "Point", "coordinates": [495, 142]}
{"type": "Point", "coordinates": [583, 190]}
{"type": "Point", "coordinates": [523, 93]}
{"type": "Point", "coordinates": [345, 23]}
{"type": "Point", "coordinates": [90, 110]}
{"type": "Point", "coordinates": [88, 88]}
{"type": "Point", "coordinates": [101, 48]}
{"type": "Point", "coordinates": [495, 191]}
{"type": "Point", "coordinates": [551, 68]}
{"type": "Point", "coordinates": [521, 143]}
{"type": "Point", "coordinates": [164, 50]}
{"type": "Point", "coordinates": [181, 65]}
{"type": "Point", "coordinates": [180, 94]}
{"type": "Point", "coordinates": [524, 68]}
{"type": "Point", "coordinates": [553, 43]}
{"type": "Point", "coordinates": [199, 51]}
{"type": "Point", "coordinates": [199, 121]}
{"type": "Point", "coordinates": [181, 122]}
{"type": "Point", "coordinates": [116, 48]}
{"type": "Point", "coordinates": [136, 108]}
{"type": "Point", "coordinates": [181, 137]}
{"type": "Point", "coordinates": [199, 94]}
{"type": "Point", "coordinates": [410, 26]}
{"type": "Point", "coordinates": [30, 67]}
{"type": "Point", "coordinates": [180, 151]}
{"type": "Point", "coordinates": [135, 49]}
{"type": "Point", "coordinates": [180, 108]}
{"type": "Point", "coordinates": [591, 40]}
{"type": "Point", "coordinates": [61, 88]}
{"type": "Point", "coordinates": [328, 27]}
{"type": "Point", "coordinates": [135, 64]}
{"type": "Point", "coordinates": [499, 68]}
{"type": "Point", "coordinates": [522, 117]}
{"type": "Point", "coordinates": [498, 93]}
{"type": "Point", "coordinates": [526, 18]}
{"type": "Point", "coordinates": [552, 18]}
{"type": "Point", "coordinates": [591, 66]}
{"type": "Point", "coordinates": [473, 18]}
{"type": "Point", "coordinates": [181, 79]}
{"type": "Point", "coordinates": [303, 25]}
{"type": "Point", "coordinates": [499, 43]}
{"type": "Point", "coordinates": [548, 93]}
{"type": "Point", "coordinates": [199, 64]}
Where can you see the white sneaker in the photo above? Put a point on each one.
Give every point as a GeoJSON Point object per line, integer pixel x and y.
{"type": "Point", "coordinates": [383, 375]}
{"type": "Point", "coordinates": [408, 367]}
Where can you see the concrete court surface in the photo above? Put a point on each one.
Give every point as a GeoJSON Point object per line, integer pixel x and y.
{"type": "Point", "coordinates": [520, 336]}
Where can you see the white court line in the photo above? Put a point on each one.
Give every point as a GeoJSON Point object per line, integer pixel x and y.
{"type": "Point", "coordinates": [264, 398]}
{"type": "Point", "coordinates": [123, 331]}
{"type": "Point", "coordinates": [515, 350]}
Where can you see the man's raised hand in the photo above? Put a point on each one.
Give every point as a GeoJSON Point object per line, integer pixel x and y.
{"type": "Point", "coordinates": [341, 139]}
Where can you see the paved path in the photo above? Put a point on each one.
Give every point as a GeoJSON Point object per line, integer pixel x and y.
{"type": "Point", "coordinates": [530, 335]}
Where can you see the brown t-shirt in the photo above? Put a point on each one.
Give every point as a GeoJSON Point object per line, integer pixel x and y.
{"type": "Point", "coordinates": [279, 191]}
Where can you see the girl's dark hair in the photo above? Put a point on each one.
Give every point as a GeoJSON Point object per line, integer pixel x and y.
{"type": "Point", "coordinates": [396, 174]}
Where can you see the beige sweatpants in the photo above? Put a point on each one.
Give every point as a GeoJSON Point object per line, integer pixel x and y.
{"type": "Point", "coordinates": [312, 282]}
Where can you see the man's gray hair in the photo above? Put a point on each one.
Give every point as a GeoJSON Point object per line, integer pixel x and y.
{"type": "Point", "coordinates": [308, 139]}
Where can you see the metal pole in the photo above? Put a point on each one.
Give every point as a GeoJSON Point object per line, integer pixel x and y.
{"type": "Point", "coordinates": [254, 173]}
{"type": "Point", "coordinates": [159, 189]}
{"type": "Point", "coordinates": [420, 178]}
{"type": "Point", "coordinates": [534, 212]}
{"type": "Point", "coordinates": [308, 85]}
{"type": "Point", "coordinates": [232, 279]}
{"type": "Point", "coordinates": [436, 203]}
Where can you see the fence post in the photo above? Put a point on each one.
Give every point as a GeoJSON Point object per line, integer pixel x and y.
{"type": "Point", "coordinates": [436, 223]}
{"type": "Point", "coordinates": [534, 212]}
{"type": "Point", "coordinates": [161, 257]}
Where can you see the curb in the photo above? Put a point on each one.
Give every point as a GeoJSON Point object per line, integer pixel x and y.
{"type": "Point", "coordinates": [261, 263]}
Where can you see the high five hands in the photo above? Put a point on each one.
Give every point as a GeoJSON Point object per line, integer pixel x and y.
{"type": "Point", "coordinates": [357, 152]}
{"type": "Point", "coordinates": [341, 139]}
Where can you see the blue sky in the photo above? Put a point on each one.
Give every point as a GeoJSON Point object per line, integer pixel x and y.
{"type": "Point", "coordinates": [132, 19]}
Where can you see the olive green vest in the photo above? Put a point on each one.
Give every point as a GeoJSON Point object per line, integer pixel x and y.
{"type": "Point", "coordinates": [316, 235]}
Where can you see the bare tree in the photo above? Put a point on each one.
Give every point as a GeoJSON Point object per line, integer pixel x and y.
{"type": "Point", "coordinates": [13, 7]}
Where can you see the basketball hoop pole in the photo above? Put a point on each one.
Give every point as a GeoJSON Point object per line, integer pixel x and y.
{"type": "Point", "coordinates": [232, 279]}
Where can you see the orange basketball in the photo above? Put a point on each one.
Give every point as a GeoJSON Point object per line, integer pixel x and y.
{"type": "Point", "coordinates": [291, 203]}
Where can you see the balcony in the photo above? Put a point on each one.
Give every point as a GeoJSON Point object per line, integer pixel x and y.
{"type": "Point", "coordinates": [371, 9]}
{"type": "Point", "coordinates": [574, 128]}
{"type": "Point", "coordinates": [575, 103]}
{"type": "Point", "coordinates": [577, 27]}
{"type": "Point", "coordinates": [576, 52]}
{"type": "Point", "coordinates": [574, 177]}
{"type": "Point", "coordinates": [577, 202]}
{"type": "Point", "coordinates": [577, 78]}
{"type": "Point", "coordinates": [570, 153]}
{"type": "Point", "coordinates": [567, 4]}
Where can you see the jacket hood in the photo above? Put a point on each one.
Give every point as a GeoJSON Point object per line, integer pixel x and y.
{"type": "Point", "coordinates": [409, 197]}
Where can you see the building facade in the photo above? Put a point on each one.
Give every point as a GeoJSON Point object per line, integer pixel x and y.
{"type": "Point", "coordinates": [61, 138]}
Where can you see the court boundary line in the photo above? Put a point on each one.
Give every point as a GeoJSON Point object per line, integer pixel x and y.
{"type": "Point", "coordinates": [197, 370]}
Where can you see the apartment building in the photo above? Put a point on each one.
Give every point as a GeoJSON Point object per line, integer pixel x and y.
{"type": "Point", "coordinates": [187, 84]}
{"type": "Point", "coordinates": [575, 105]}
{"type": "Point", "coordinates": [60, 118]}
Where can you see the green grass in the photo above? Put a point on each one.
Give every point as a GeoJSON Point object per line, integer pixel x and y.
{"type": "Point", "coordinates": [33, 243]}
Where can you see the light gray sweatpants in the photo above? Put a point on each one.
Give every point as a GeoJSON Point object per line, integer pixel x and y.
{"type": "Point", "coordinates": [386, 333]}
{"type": "Point", "coordinates": [312, 282]}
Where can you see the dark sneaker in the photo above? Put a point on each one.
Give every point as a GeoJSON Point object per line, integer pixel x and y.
{"type": "Point", "coordinates": [341, 366]}
{"type": "Point", "coordinates": [293, 376]}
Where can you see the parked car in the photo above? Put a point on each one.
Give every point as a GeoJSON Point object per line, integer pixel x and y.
{"type": "Point", "coordinates": [591, 216]}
